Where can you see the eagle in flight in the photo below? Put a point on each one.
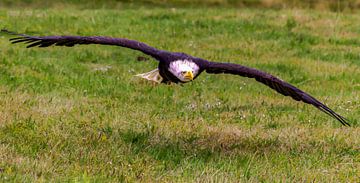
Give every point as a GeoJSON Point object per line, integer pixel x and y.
{"type": "Point", "coordinates": [176, 67]}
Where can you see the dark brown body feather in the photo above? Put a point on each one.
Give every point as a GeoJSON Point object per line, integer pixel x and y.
{"type": "Point", "coordinates": [166, 57]}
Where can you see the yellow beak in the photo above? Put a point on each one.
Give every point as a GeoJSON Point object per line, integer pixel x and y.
{"type": "Point", "coordinates": [189, 75]}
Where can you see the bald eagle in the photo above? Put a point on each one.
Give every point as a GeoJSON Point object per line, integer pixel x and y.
{"type": "Point", "coordinates": [176, 67]}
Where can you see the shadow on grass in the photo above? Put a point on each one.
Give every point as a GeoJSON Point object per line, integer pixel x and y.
{"type": "Point", "coordinates": [204, 148]}
{"type": "Point", "coordinates": [217, 145]}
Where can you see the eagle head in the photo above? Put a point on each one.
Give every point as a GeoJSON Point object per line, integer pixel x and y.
{"type": "Point", "coordinates": [184, 70]}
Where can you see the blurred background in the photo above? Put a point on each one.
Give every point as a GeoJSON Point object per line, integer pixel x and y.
{"type": "Point", "coordinates": [332, 5]}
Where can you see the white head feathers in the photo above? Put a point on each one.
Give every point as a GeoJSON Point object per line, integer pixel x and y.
{"type": "Point", "coordinates": [179, 67]}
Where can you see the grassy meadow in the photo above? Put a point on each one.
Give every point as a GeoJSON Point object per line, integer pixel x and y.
{"type": "Point", "coordinates": [79, 114]}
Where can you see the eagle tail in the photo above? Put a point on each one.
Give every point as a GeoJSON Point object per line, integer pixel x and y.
{"type": "Point", "coordinates": [153, 75]}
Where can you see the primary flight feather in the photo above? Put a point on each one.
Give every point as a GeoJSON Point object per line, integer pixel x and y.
{"type": "Point", "coordinates": [180, 67]}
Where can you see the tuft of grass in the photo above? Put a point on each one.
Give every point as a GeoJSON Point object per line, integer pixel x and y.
{"type": "Point", "coordinates": [79, 114]}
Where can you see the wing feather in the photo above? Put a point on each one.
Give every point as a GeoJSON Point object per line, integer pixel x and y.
{"type": "Point", "coordinates": [46, 41]}
{"type": "Point", "coordinates": [273, 82]}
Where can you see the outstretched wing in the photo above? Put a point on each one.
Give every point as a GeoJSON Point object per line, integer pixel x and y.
{"type": "Point", "coordinates": [45, 41]}
{"type": "Point", "coordinates": [273, 82]}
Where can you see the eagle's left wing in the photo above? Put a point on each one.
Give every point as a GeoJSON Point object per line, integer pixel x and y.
{"type": "Point", "coordinates": [45, 41]}
{"type": "Point", "coordinates": [273, 82]}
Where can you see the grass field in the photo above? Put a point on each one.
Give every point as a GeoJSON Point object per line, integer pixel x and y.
{"type": "Point", "coordinates": [79, 114]}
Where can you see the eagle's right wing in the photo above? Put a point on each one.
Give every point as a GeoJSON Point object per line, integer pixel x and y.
{"type": "Point", "coordinates": [45, 41]}
{"type": "Point", "coordinates": [273, 82]}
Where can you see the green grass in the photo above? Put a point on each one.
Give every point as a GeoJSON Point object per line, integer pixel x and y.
{"type": "Point", "coordinates": [329, 5]}
{"type": "Point", "coordinates": [63, 119]}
